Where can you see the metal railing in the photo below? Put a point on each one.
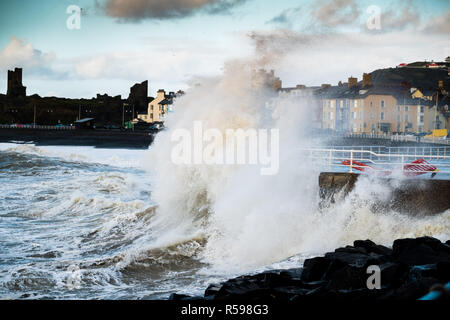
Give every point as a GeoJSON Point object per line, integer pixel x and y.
{"type": "Point", "coordinates": [31, 126]}
{"type": "Point", "coordinates": [383, 160]}
{"type": "Point", "coordinates": [400, 138]}
{"type": "Point", "coordinates": [437, 152]}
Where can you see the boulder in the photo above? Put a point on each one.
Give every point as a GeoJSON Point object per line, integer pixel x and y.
{"type": "Point", "coordinates": [408, 270]}
{"type": "Point", "coordinates": [420, 251]}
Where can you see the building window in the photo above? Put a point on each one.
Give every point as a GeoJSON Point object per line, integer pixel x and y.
{"type": "Point", "coordinates": [406, 108]}
{"type": "Point", "coordinates": [422, 109]}
{"type": "Point", "coordinates": [360, 115]}
{"type": "Point", "coordinates": [399, 108]}
{"type": "Point", "coordinates": [421, 118]}
{"type": "Point", "coordinates": [354, 115]}
{"type": "Point", "coordinates": [382, 103]}
{"type": "Point", "coordinates": [371, 103]}
{"type": "Point", "coordinates": [329, 104]}
{"type": "Point", "coordinates": [406, 118]}
{"type": "Point", "coordinates": [399, 118]}
{"type": "Point", "coordinates": [382, 115]}
{"type": "Point", "coordinates": [373, 126]}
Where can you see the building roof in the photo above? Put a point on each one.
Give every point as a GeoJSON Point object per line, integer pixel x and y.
{"type": "Point", "coordinates": [360, 92]}
{"type": "Point", "coordinates": [414, 102]}
{"type": "Point", "coordinates": [84, 120]}
{"type": "Point", "coordinates": [165, 101]}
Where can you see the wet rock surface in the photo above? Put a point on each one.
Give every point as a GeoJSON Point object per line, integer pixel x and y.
{"type": "Point", "coordinates": [406, 271]}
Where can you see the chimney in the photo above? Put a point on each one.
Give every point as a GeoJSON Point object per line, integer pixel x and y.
{"type": "Point", "coordinates": [325, 85]}
{"type": "Point", "coordinates": [367, 80]}
{"type": "Point", "coordinates": [300, 86]}
{"type": "Point", "coordinates": [352, 82]}
{"type": "Point", "coordinates": [161, 93]}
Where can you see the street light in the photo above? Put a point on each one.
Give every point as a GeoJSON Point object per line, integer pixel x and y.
{"type": "Point", "coordinates": [123, 114]}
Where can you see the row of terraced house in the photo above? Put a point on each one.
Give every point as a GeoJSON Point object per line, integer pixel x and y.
{"type": "Point", "coordinates": [364, 107]}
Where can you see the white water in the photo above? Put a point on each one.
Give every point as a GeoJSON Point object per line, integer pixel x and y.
{"type": "Point", "coordinates": [250, 220]}
{"type": "Point", "coordinates": [139, 226]}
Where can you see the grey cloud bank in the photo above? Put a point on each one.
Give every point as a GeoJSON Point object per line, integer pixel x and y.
{"type": "Point", "coordinates": [137, 10]}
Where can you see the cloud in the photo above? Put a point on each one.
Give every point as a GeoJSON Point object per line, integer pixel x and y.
{"type": "Point", "coordinates": [137, 10]}
{"type": "Point", "coordinates": [333, 13]}
{"type": "Point", "coordinates": [273, 46]}
{"type": "Point", "coordinates": [440, 24]}
{"type": "Point", "coordinates": [340, 15]}
{"type": "Point", "coordinates": [286, 17]}
{"type": "Point", "coordinates": [20, 53]}
{"type": "Point", "coordinates": [312, 59]}
{"type": "Point", "coordinates": [322, 15]}
{"type": "Point", "coordinates": [399, 17]}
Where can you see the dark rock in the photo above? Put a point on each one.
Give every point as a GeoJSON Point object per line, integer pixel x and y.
{"type": "Point", "coordinates": [314, 269]}
{"type": "Point", "coordinates": [181, 297]}
{"type": "Point", "coordinates": [370, 246]}
{"type": "Point", "coordinates": [420, 251]}
{"type": "Point", "coordinates": [212, 289]}
{"type": "Point", "coordinates": [407, 272]}
{"type": "Point", "coordinates": [351, 259]}
{"type": "Point", "coordinates": [347, 278]}
{"type": "Point", "coordinates": [391, 273]}
{"type": "Point", "coordinates": [442, 271]}
{"type": "Point", "coordinates": [350, 249]}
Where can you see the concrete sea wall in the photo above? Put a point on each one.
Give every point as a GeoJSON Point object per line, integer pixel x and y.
{"type": "Point", "coordinates": [413, 196]}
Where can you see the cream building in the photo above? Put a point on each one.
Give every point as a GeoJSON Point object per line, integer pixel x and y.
{"type": "Point", "coordinates": [363, 108]}
{"type": "Point", "coordinates": [158, 107]}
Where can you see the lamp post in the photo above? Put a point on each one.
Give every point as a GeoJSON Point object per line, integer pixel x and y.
{"type": "Point", "coordinates": [123, 114]}
{"type": "Point", "coordinates": [132, 118]}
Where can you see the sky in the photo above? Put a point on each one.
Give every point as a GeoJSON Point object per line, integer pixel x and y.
{"type": "Point", "coordinates": [171, 43]}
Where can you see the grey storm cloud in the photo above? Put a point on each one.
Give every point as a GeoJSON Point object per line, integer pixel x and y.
{"type": "Point", "coordinates": [136, 10]}
{"type": "Point", "coordinates": [272, 46]}
{"type": "Point", "coordinates": [286, 16]}
{"type": "Point", "coordinates": [323, 14]}
{"type": "Point", "coordinates": [332, 13]}
{"type": "Point", "coordinates": [440, 24]}
{"type": "Point", "coordinates": [403, 15]}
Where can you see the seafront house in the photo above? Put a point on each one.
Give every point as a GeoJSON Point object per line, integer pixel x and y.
{"type": "Point", "coordinates": [158, 107]}
{"type": "Point", "coordinates": [366, 108]}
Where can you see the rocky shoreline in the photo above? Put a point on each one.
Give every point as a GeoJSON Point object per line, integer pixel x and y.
{"type": "Point", "coordinates": [407, 271]}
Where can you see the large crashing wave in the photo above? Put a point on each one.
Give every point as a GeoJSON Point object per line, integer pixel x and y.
{"type": "Point", "coordinates": [250, 220]}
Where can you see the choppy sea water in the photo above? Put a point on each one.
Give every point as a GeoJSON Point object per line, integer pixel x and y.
{"type": "Point", "coordinates": [68, 217]}
{"type": "Point", "coordinates": [78, 223]}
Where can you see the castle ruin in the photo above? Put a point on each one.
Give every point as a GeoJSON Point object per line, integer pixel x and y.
{"type": "Point", "coordinates": [15, 87]}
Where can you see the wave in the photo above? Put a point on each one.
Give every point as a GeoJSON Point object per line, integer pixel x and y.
{"type": "Point", "coordinates": [78, 154]}
{"type": "Point", "coordinates": [251, 220]}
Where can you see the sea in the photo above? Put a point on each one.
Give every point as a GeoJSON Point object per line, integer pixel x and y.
{"type": "Point", "coordinates": [88, 223]}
